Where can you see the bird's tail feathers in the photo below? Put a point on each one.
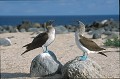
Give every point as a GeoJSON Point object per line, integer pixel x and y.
{"type": "Point", "coordinates": [26, 45]}
{"type": "Point", "coordinates": [102, 53]}
{"type": "Point", "coordinates": [25, 52]}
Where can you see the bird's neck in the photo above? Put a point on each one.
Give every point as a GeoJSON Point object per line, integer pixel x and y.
{"type": "Point", "coordinates": [80, 46]}
{"type": "Point", "coordinates": [51, 30]}
{"type": "Point", "coordinates": [76, 35]}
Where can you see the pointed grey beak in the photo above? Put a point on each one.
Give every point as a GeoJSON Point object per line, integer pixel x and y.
{"type": "Point", "coordinates": [78, 21]}
{"type": "Point", "coordinates": [51, 21]}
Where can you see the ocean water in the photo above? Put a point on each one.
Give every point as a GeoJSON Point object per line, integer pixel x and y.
{"type": "Point", "coordinates": [59, 20]}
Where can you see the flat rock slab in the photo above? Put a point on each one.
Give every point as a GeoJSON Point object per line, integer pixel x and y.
{"type": "Point", "coordinates": [45, 64]}
{"type": "Point", "coordinates": [76, 69]}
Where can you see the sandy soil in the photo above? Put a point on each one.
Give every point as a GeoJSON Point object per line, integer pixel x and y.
{"type": "Point", "coordinates": [13, 65]}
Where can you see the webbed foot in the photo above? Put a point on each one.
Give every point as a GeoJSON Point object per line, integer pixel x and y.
{"type": "Point", "coordinates": [46, 51]}
{"type": "Point", "coordinates": [83, 58]}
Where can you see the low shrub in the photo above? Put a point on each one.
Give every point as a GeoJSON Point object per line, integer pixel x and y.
{"type": "Point", "coordinates": [113, 42]}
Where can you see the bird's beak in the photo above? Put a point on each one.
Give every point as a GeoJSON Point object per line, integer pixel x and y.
{"type": "Point", "coordinates": [78, 21]}
{"type": "Point", "coordinates": [51, 21]}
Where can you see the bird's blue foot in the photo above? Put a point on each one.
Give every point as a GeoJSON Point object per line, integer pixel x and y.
{"type": "Point", "coordinates": [83, 58]}
{"type": "Point", "coordinates": [46, 51]}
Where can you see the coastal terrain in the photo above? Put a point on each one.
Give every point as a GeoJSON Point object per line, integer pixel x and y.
{"type": "Point", "coordinates": [15, 65]}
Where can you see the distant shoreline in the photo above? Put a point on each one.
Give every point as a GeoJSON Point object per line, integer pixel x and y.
{"type": "Point", "coordinates": [59, 20]}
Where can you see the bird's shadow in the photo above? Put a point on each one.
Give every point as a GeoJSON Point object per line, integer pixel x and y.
{"type": "Point", "coordinates": [14, 75]}
{"type": "Point", "coordinates": [107, 51]}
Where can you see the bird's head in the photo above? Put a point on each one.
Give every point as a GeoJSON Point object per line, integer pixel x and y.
{"type": "Point", "coordinates": [80, 27]}
{"type": "Point", "coordinates": [49, 23]}
{"type": "Point", "coordinates": [78, 21]}
{"type": "Point", "coordinates": [49, 26]}
{"type": "Point", "coordinates": [80, 24]}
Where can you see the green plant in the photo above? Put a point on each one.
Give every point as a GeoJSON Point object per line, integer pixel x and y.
{"type": "Point", "coordinates": [113, 42]}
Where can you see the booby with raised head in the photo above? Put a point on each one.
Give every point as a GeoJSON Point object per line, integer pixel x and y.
{"type": "Point", "coordinates": [85, 44]}
{"type": "Point", "coordinates": [43, 39]}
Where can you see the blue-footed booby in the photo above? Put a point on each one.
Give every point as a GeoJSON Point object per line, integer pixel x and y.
{"type": "Point", "coordinates": [43, 39]}
{"type": "Point", "coordinates": [85, 44]}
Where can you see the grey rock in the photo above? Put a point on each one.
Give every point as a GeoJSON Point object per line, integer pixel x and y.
{"type": "Point", "coordinates": [98, 31]}
{"type": "Point", "coordinates": [16, 30]}
{"type": "Point", "coordinates": [22, 30]}
{"type": "Point", "coordinates": [88, 29]}
{"type": "Point", "coordinates": [96, 35]}
{"type": "Point", "coordinates": [112, 35]}
{"type": "Point", "coordinates": [70, 28]}
{"type": "Point", "coordinates": [12, 29]}
{"type": "Point", "coordinates": [33, 29]}
{"type": "Point", "coordinates": [107, 28]}
{"type": "Point", "coordinates": [117, 24]}
{"type": "Point", "coordinates": [45, 64]}
{"type": "Point", "coordinates": [91, 31]}
{"type": "Point", "coordinates": [76, 69]}
{"type": "Point", "coordinates": [104, 21]}
{"type": "Point", "coordinates": [41, 29]}
{"type": "Point", "coordinates": [4, 31]}
{"type": "Point", "coordinates": [5, 26]}
{"type": "Point", "coordinates": [5, 42]}
{"type": "Point", "coordinates": [9, 29]}
{"type": "Point", "coordinates": [97, 25]}
{"type": "Point", "coordinates": [60, 30]}
{"type": "Point", "coordinates": [36, 25]}
{"type": "Point", "coordinates": [116, 34]}
{"type": "Point", "coordinates": [115, 30]}
{"type": "Point", "coordinates": [1, 31]}
{"type": "Point", "coordinates": [25, 25]}
{"type": "Point", "coordinates": [1, 28]}
{"type": "Point", "coordinates": [107, 33]}
{"type": "Point", "coordinates": [113, 23]}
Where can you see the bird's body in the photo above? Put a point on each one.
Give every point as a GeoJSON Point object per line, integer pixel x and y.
{"type": "Point", "coordinates": [79, 45]}
{"type": "Point", "coordinates": [85, 44]}
{"type": "Point", "coordinates": [42, 40]}
{"type": "Point", "coordinates": [89, 44]}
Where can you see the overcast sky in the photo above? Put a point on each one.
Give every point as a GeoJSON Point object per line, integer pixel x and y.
{"type": "Point", "coordinates": [59, 7]}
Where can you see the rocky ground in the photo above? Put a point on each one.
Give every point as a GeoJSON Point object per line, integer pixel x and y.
{"type": "Point", "coordinates": [13, 65]}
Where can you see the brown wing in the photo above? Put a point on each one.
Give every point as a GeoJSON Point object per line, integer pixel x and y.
{"type": "Point", "coordinates": [38, 41]}
{"type": "Point", "coordinates": [89, 44]}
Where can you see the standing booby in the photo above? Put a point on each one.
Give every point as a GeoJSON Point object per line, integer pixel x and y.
{"type": "Point", "coordinates": [43, 39]}
{"type": "Point", "coordinates": [85, 44]}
